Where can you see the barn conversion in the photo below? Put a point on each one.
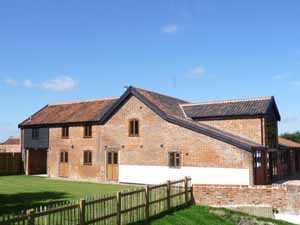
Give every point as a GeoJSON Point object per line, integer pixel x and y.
{"type": "Point", "coordinates": [147, 137]}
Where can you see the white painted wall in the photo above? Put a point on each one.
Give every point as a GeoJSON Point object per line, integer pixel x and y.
{"type": "Point", "coordinates": [288, 217]}
{"type": "Point", "coordinates": [199, 175]}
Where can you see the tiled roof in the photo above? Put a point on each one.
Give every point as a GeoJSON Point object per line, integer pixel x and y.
{"type": "Point", "coordinates": [165, 103]}
{"type": "Point", "coordinates": [287, 143]}
{"type": "Point", "coordinates": [11, 141]}
{"type": "Point", "coordinates": [85, 111]}
{"type": "Point", "coordinates": [169, 108]}
{"type": "Point", "coordinates": [231, 108]}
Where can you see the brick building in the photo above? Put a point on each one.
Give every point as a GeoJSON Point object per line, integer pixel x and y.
{"type": "Point", "coordinates": [146, 137]}
{"type": "Point", "coordinates": [11, 145]}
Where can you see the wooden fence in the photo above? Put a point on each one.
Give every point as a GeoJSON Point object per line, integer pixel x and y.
{"type": "Point", "coordinates": [10, 163]}
{"type": "Point", "coordinates": [122, 208]}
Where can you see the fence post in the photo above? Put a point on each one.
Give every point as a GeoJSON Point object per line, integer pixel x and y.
{"type": "Point", "coordinates": [119, 198]}
{"type": "Point", "coordinates": [82, 211]}
{"type": "Point", "coordinates": [168, 195]}
{"type": "Point", "coordinates": [30, 214]}
{"type": "Point", "coordinates": [147, 209]}
{"type": "Point", "coordinates": [186, 191]}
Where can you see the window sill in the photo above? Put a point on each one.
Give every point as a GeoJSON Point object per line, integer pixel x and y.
{"type": "Point", "coordinates": [87, 137]}
{"type": "Point", "coordinates": [174, 167]}
{"type": "Point", "coordinates": [87, 164]}
{"type": "Point", "coordinates": [64, 137]}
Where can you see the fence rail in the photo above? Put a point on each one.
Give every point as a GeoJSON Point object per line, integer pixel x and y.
{"type": "Point", "coordinates": [121, 208]}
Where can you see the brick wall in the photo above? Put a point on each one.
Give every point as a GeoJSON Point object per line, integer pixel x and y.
{"type": "Point", "coordinates": [156, 138]}
{"type": "Point", "coordinates": [282, 197]}
{"type": "Point", "coordinates": [247, 128]}
{"type": "Point", "coordinates": [10, 148]}
{"type": "Point", "coordinates": [75, 145]}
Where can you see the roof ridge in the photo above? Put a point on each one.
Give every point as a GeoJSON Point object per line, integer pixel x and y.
{"type": "Point", "coordinates": [82, 101]}
{"type": "Point", "coordinates": [165, 95]}
{"type": "Point", "coordinates": [228, 101]}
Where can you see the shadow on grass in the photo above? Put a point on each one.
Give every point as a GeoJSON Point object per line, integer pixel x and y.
{"type": "Point", "coordinates": [163, 214]}
{"type": "Point", "coordinates": [14, 203]}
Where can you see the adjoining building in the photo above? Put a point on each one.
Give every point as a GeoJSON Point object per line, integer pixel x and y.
{"type": "Point", "coordinates": [11, 145]}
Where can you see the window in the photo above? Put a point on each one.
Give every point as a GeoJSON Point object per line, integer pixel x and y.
{"type": "Point", "coordinates": [257, 159]}
{"type": "Point", "coordinates": [87, 158]}
{"type": "Point", "coordinates": [64, 157]}
{"type": "Point", "coordinates": [65, 132]}
{"type": "Point", "coordinates": [133, 128]}
{"type": "Point", "coordinates": [35, 133]}
{"type": "Point", "coordinates": [174, 159]}
{"type": "Point", "coordinates": [87, 131]}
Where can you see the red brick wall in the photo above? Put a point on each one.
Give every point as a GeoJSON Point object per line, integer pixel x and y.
{"type": "Point", "coordinates": [157, 137]}
{"type": "Point", "coordinates": [281, 197]}
{"type": "Point", "coordinates": [247, 128]}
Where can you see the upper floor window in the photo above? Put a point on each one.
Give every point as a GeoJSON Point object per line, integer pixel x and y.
{"type": "Point", "coordinates": [133, 128]}
{"type": "Point", "coordinates": [35, 133]}
{"type": "Point", "coordinates": [65, 132]}
{"type": "Point", "coordinates": [88, 131]}
{"type": "Point", "coordinates": [174, 159]}
{"type": "Point", "coordinates": [87, 157]}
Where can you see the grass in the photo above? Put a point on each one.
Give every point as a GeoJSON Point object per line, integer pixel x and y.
{"type": "Point", "coordinates": [202, 215]}
{"type": "Point", "coordinates": [23, 192]}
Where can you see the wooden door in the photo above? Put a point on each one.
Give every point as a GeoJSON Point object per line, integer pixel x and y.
{"type": "Point", "coordinates": [112, 166]}
{"type": "Point", "coordinates": [64, 164]}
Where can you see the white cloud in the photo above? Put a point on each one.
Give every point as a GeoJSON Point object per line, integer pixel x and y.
{"type": "Point", "coordinates": [63, 83]}
{"type": "Point", "coordinates": [59, 84]}
{"type": "Point", "coordinates": [28, 83]}
{"type": "Point", "coordinates": [197, 72]}
{"type": "Point", "coordinates": [11, 82]}
{"type": "Point", "coordinates": [170, 29]}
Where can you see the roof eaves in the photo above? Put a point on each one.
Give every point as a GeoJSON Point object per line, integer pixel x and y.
{"type": "Point", "coordinates": [21, 125]}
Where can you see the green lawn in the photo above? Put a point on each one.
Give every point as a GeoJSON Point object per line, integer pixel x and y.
{"type": "Point", "coordinates": [19, 192]}
{"type": "Point", "coordinates": [201, 215]}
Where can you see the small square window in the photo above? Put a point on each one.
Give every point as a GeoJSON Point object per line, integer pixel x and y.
{"type": "Point", "coordinates": [65, 132]}
{"type": "Point", "coordinates": [35, 133]}
{"type": "Point", "coordinates": [88, 131]}
{"type": "Point", "coordinates": [87, 158]}
{"type": "Point", "coordinates": [174, 159]}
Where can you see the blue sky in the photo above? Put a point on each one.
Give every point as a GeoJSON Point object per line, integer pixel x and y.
{"type": "Point", "coordinates": [57, 51]}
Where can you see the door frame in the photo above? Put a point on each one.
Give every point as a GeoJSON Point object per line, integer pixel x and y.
{"type": "Point", "coordinates": [106, 164]}
{"type": "Point", "coordinates": [64, 164]}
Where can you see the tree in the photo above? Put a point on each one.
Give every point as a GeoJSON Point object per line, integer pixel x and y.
{"type": "Point", "coordinates": [295, 136]}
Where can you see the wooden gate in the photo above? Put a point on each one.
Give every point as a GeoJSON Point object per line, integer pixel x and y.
{"type": "Point", "coordinates": [112, 166]}
{"type": "Point", "coordinates": [64, 164]}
